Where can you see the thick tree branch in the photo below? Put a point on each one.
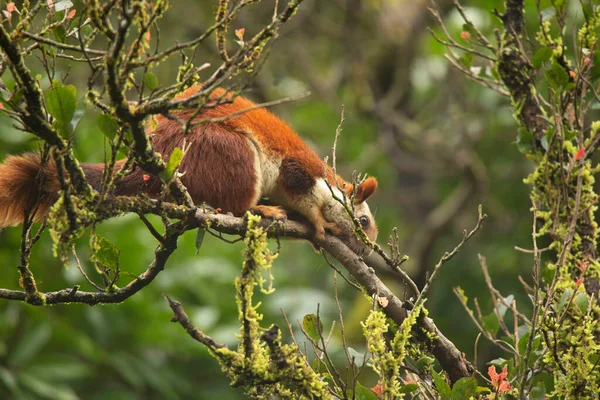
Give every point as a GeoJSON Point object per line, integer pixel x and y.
{"type": "Point", "coordinates": [443, 349]}
{"type": "Point", "coordinates": [73, 295]}
{"type": "Point", "coordinates": [517, 72]}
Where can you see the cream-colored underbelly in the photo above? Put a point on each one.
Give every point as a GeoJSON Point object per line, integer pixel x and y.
{"type": "Point", "coordinates": [266, 169]}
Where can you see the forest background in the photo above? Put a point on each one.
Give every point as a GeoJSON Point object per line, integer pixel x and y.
{"type": "Point", "coordinates": [438, 144]}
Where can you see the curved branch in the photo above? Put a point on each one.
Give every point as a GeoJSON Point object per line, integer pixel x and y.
{"type": "Point", "coordinates": [73, 295]}
{"type": "Point", "coordinates": [449, 357]}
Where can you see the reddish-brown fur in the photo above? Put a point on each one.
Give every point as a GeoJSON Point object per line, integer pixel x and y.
{"type": "Point", "coordinates": [218, 167]}
{"type": "Point", "coordinates": [365, 190]}
{"type": "Point", "coordinates": [274, 134]}
{"type": "Point", "coordinates": [26, 187]}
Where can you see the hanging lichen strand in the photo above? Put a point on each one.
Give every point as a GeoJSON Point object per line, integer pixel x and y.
{"type": "Point", "coordinates": [387, 360]}
{"type": "Point", "coordinates": [263, 366]}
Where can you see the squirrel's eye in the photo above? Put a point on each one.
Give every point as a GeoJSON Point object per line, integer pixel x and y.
{"type": "Point", "coordinates": [364, 221]}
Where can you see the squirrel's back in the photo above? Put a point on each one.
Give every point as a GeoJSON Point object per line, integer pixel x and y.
{"type": "Point", "coordinates": [236, 154]}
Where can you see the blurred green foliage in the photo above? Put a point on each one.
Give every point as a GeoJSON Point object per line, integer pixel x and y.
{"type": "Point", "coordinates": [346, 52]}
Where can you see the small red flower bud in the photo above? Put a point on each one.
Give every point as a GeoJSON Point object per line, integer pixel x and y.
{"type": "Point", "coordinates": [240, 33]}
{"type": "Point", "coordinates": [465, 35]}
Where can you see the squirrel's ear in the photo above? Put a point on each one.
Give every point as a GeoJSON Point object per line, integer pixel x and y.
{"type": "Point", "coordinates": [365, 190]}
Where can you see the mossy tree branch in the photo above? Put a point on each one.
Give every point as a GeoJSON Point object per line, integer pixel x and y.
{"type": "Point", "coordinates": [443, 349]}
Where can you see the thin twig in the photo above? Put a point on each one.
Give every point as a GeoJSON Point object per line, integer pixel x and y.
{"type": "Point", "coordinates": [448, 256]}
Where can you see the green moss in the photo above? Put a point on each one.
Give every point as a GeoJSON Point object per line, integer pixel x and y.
{"type": "Point", "coordinates": [387, 361]}
{"type": "Point", "coordinates": [262, 368]}
{"type": "Point", "coordinates": [570, 324]}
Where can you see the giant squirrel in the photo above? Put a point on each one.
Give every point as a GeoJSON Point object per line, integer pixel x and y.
{"type": "Point", "coordinates": [230, 164]}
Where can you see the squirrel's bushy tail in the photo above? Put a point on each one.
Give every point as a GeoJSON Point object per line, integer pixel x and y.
{"type": "Point", "coordinates": [26, 186]}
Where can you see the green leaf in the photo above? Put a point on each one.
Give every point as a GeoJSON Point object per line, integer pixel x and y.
{"type": "Point", "coordinates": [509, 342]}
{"type": "Point", "coordinates": [62, 5]}
{"type": "Point", "coordinates": [522, 346]}
{"type": "Point", "coordinates": [442, 386]}
{"type": "Point", "coordinates": [108, 125]}
{"type": "Point", "coordinates": [549, 134]}
{"type": "Point", "coordinates": [524, 141]}
{"type": "Point", "coordinates": [174, 161]}
{"type": "Point", "coordinates": [409, 388]}
{"type": "Point", "coordinates": [309, 322]}
{"type": "Point", "coordinates": [548, 13]}
{"type": "Point", "coordinates": [538, 392]}
{"type": "Point", "coordinates": [466, 59]}
{"type": "Point", "coordinates": [491, 323]}
{"type": "Point", "coordinates": [560, 5]}
{"type": "Point", "coordinates": [544, 143]}
{"type": "Point", "coordinates": [17, 96]}
{"type": "Point", "coordinates": [150, 80]}
{"type": "Point", "coordinates": [60, 33]}
{"type": "Point", "coordinates": [557, 76]}
{"type": "Point", "coordinates": [541, 56]}
{"type": "Point", "coordinates": [359, 358]}
{"type": "Point", "coordinates": [124, 150]}
{"type": "Point", "coordinates": [363, 393]}
{"type": "Point", "coordinates": [501, 304]}
{"type": "Point", "coordinates": [566, 296]}
{"type": "Point", "coordinates": [588, 10]}
{"type": "Point", "coordinates": [569, 134]}
{"type": "Point", "coordinates": [104, 252]}
{"type": "Point", "coordinates": [470, 29]}
{"type": "Point", "coordinates": [581, 300]}
{"type": "Point", "coordinates": [548, 272]}
{"type": "Point", "coordinates": [495, 74]}
{"type": "Point", "coordinates": [464, 388]}
{"type": "Point", "coordinates": [200, 239]}
{"type": "Point", "coordinates": [498, 362]}
{"type": "Point", "coordinates": [424, 362]}
{"type": "Point", "coordinates": [595, 71]}
{"type": "Point", "coordinates": [316, 364]}
{"type": "Point", "coordinates": [462, 294]}
{"type": "Point", "coordinates": [61, 101]}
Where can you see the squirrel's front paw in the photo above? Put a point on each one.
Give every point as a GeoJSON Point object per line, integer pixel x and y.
{"type": "Point", "coordinates": [273, 212]}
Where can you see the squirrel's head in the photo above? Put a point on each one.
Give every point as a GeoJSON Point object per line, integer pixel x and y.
{"type": "Point", "coordinates": [334, 211]}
